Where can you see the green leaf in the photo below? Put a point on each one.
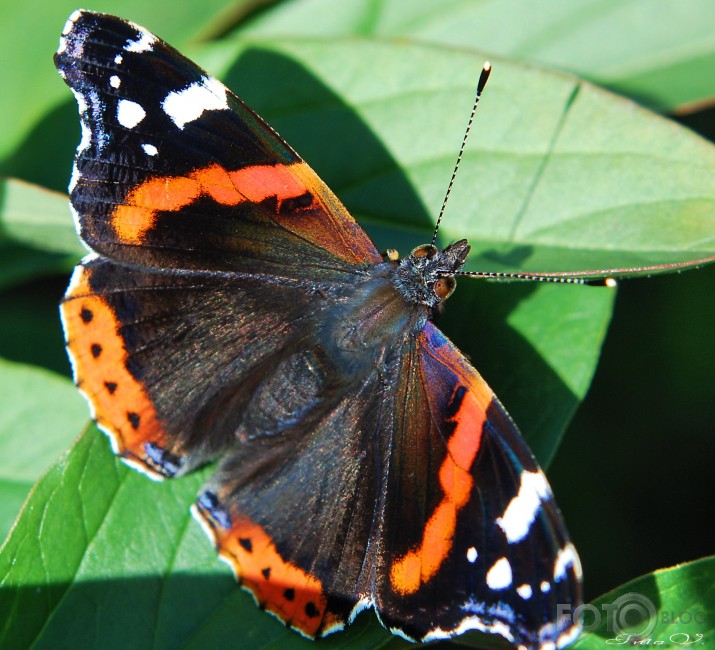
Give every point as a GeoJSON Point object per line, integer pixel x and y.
{"type": "Point", "coordinates": [537, 346]}
{"type": "Point", "coordinates": [39, 218]}
{"type": "Point", "coordinates": [657, 51]}
{"type": "Point", "coordinates": [20, 263]}
{"type": "Point", "coordinates": [109, 559]}
{"type": "Point", "coordinates": [36, 233]}
{"type": "Point", "coordinates": [672, 607]}
{"type": "Point", "coordinates": [32, 438]}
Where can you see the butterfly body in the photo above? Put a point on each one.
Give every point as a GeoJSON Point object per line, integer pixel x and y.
{"type": "Point", "coordinates": [232, 311]}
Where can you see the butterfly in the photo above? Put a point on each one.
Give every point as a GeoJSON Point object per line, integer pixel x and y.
{"type": "Point", "coordinates": [231, 310]}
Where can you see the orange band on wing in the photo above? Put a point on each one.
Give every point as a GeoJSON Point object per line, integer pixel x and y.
{"type": "Point", "coordinates": [282, 588]}
{"type": "Point", "coordinates": [421, 564]}
{"type": "Point", "coordinates": [138, 213]}
{"type": "Point", "coordinates": [120, 405]}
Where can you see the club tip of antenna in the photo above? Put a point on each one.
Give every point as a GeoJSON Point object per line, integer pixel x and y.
{"type": "Point", "coordinates": [602, 282]}
{"type": "Point", "coordinates": [483, 77]}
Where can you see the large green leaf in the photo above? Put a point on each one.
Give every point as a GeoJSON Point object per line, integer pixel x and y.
{"type": "Point", "coordinates": [671, 608]}
{"type": "Point", "coordinates": [659, 51]}
{"type": "Point", "coordinates": [36, 217]}
{"type": "Point", "coordinates": [32, 438]}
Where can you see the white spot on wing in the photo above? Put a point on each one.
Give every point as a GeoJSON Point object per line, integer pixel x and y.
{"type": "Point", "coordinates": [135, 464]}
{"type": "Point", "coordinates": [360, 606]}
{"type": "Point", "coordinates": [74, 179]}
{"type": "Point", "coordinates": [472, 554]}
{"type": "Point", "coordinates": [67, 29]}
{"type": "Point", "coordinates": [71, 21]}
{"type": "Point", "coordinates": [118, 59]}
{"type": "Point", "coordinates": [545, 587]}
{"type": "Point", "coordinates": [469, 623]}
{"type": "Point", "coordinates": [184, 106]}
{"type": "Point", "coordinates": [86, 137]}
{"type": "Point", "coordinates": [521, 511]}
{"type": "Point", "coordinates": [567, 557]}
{"type": "Point", "coordinates": [115, 81]}
{"type": "Point", "coordinates": [144, 43]}
{"type": "Point", "coordinates": [129, 113]}
{"type": "Point", "coordinates": [81, 103]}
{"type": "Point", "coordinates": [208, 529]}
{"type": "Point", "coordinates": [499, 576]}
{"type": "Point", "coordinates": [524, 591]}
{"type": "Point", "coordinates": [86, 131]}
{"type": "Point", "coordinates": [569, 636]}
{"type": "Point", "coordinates": [150, 149]}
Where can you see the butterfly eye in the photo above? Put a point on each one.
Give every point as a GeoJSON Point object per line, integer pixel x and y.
{"type": "Point", "coordinates": [444, 287]}
{"type": "Point", "coordinates": [426, 250]}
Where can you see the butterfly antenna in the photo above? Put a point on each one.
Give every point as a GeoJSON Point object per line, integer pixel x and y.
{"type": "Point", "coordinates": [483, 77]}
{"type": "Point", "coordinates": [564, 278]}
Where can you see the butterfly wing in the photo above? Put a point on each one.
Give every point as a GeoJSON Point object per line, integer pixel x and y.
{"type": "Point", "coordinates": [472, 537]}
{"type": "Point", "coordinates": [294, 517]}
{"type": "Point", "coordinates": [174, 171]}
{"type": "Point", "coordinates": [169, 360]}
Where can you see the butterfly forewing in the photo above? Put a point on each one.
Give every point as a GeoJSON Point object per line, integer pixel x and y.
{"type": "Point", "coordinates": [174, 171]}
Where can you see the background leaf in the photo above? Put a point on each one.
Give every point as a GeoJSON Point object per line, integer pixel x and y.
{"type": "Point", "coordinates": [658, 51]}
{"type": "Point", "coordinates": [36, 217]}
{"type": "Point", "coordinates": [31, 439]}
{"type": "Point", "coordinates": [683, 599]}
{"type": "Point", "coordinates": [543, 139]}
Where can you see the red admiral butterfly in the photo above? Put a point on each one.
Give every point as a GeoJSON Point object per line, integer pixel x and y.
{"type": "Point", "coordinates": [231, 309]}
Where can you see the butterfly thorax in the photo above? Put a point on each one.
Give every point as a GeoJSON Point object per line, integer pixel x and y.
{"type": "Point", "coordinates": [426, 275]}
{"type": "Point", "coordinates": [392, 303]}
{"type": "Point", "coordinates": [371, 317]}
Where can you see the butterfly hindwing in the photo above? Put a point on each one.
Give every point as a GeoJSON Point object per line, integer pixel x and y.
{"type": "Point", "coordinates": [169, 360]}
{"type": "Point", "coordinates": [477, 537]}
{"type": "Point", "coordinates": [174, 171]}
{"type": "Point", "coordinates": [294, 517]}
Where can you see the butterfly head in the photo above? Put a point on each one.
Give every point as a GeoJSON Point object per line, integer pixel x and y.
{"type": "Point", "coordinates": [426, 275]}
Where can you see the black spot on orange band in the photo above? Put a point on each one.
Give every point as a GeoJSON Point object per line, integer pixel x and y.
{"type": "Point", "coordinates": [134, 419]}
